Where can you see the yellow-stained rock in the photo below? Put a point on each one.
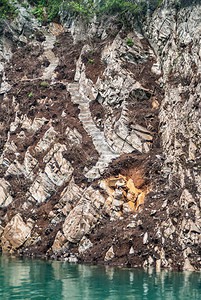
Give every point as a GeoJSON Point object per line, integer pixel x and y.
{"type": "Point", "coordinates": [121, 188]}
{"type": "Point", "coordinates": [119, 181]}
{"type": "Point", "coordinates": [130, 197]}
{"type": "Point", "coordinates": [132, 189]}
{"type": "Point", "coordinates": [140, 199]}
{"type": "Point", "coordinates": [155, 104]}
{"type": "Point", "coordinates": [129, 207]}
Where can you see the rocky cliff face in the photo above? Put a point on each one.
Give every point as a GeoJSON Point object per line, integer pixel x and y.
{"type": "Point", "coordinates": [100, 140]}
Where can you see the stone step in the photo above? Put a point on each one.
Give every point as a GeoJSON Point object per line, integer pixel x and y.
{"type": "Point", "coordinates": [84, 111]}
{"type": "Point", "coordinates": [85, 114]}
{"type": "Point", "coordinates": [99, 141]}
{"type": "Point", "coordinates": [73, 85]}
{"type": "Point", "coordinates": [84, 118]}
{"type": "Point", "coordinates": [75, 98]}
{"type": "Point", "coordinates": [87, 125]}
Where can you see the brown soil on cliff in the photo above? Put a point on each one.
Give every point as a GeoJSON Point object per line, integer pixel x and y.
{"type": "Point", "coordinates": [37, 98]}
{"type": "Point", "coordinates": [49, 101]}
{"type": "Point", "coordinates": [25, 63]}
{"type": "Point", "coordinates": [147, 166]}
{"type": "Point", "coordinates": [97, 113]}
{"type": "Point", "coordinates": [93, 63]}
{"type": "Point", "coordinates": [92, 58]}
{"type": "Point", "coordinates": [68, 54]}
{"type": "Point", "coordinates": [128, 232]}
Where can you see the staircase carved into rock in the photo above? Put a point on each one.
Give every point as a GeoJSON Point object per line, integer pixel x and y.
{"type": "Point", "coordinates": [99, 141]}
{"type": "Point", "coordinates": [49, 54]}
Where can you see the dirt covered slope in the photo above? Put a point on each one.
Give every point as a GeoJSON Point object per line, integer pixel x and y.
{"type": "Point", "coordinates": [100, 140]}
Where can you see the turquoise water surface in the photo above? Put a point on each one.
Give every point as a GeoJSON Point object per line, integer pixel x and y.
{"type": "Point", "coordinates": [38, 279]}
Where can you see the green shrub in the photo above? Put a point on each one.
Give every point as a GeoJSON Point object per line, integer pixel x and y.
{"type": "Point", "coordinates": [53, 7]}
{"type": "Point", "coordinates": [46, 10]}
{"type": "Point", "coordinates": [25, 5]}
{"type": "Point", "coordinates": [124, 10]}
{"type": "Point", "coordinates": [91, 61]}
{"type": "Point", "coordinates": [7, 10]}
{"type": "Point", "coordinates": [129, 42]}
{"type": "Point", "coordinates": [44, 84]}
{"type": "Point", "coordinates": [57, 44]}
{"type": "Point", "coordinates": [84, 9]}
{"type": "Point", "coordinates": [38, 12]}
{"type": "Point", "coordinates": [30, 95]}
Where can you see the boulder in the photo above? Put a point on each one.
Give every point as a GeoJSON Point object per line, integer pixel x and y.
{"type": "Point", "coordinates": [84, 216]}
{"type": "Point", "coordinates": [15, 233]}
{"type": "Point", "coordinates": [42, 188]}
{"type": "Point", "coordinates": [57, 168]}
{"type": "Point", "coordinates": [145, 238]}
{"type": "Point", "coordinates": [109, 254]}
{"type": "Point", "coordinates": [5, 197]}
{"type": "Point", "coordinates": [78, 223]}
{"type": "Point", "coordinates": [84, 245]}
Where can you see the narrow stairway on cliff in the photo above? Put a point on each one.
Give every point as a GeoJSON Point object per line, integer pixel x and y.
{"type": "Point", "coordinates": [106, 154]}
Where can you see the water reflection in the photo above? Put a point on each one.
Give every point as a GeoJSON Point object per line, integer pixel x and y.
{"type": "Point", "coordinates": [35, 279]}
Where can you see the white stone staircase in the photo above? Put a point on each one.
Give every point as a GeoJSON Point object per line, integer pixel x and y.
{"type": "Point", "coordinates": [106, 154]}
{"type": "Point", "coordinates": [49, 54]}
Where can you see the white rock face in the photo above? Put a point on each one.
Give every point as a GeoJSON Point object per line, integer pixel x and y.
{"type": "Point", "coordinates": [74, 136]}
{"type": "Point", "coordinates": [179, 112]}
{"type": "Point", "coordinates": [72, 193]}
{"type": "Point", "coordinates": [84, 216]}
{"type": "Point", "coordinates": [42, 188]}
{"type": "Point", "coordinates": [5, 197]}
{"type": "Point", "coordinates": [57, 172]}
{"type": "Point", "coordinates": [57, 168]}
{"type": "Point", "coordinates": [78, 223]}
{"type": "Point", "coordinates": [145, 238]}
{"type": "Point", "coordinates": [15, 233]}
{"type": "Point", "coordinates": [106, 117]}
{"type": "Point", "coordinates": [46, 141]}
{"type": "Point", "coordinates": [187, 266]}
{"type": "Point", "coordinates": [26, 168]}
{"type": "Point", "coordinates": [84, 245]}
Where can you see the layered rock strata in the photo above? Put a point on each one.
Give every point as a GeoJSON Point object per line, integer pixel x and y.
{"type": "Point", "coordinates": [100, 140]}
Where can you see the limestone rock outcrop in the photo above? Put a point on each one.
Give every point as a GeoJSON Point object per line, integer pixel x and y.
{"type": "Point", "coordinates": [16, 233]}
{"type": "Point", "coordinates": [5, 197]}
{"type": "Point", "coordinates": [100, 139]}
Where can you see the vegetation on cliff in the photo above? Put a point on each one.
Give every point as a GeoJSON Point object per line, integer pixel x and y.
{"type": "Point", "coordinates": [6, 9]}
{"type": "Point", "coordinates": [46, 10]}
{"type": "Point", "coordinates": [49, 10]}
{"type": "Point", "coordinates": [124, 9]}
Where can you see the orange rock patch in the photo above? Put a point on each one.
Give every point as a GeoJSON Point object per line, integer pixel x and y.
{"type": "Point", "coordinates": [132, 196]}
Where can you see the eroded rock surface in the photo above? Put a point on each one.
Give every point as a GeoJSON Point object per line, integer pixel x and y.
{"type": "Point", "coordinates": [100, 140]}
{"type": "Point", "coordinates": [16, 233]}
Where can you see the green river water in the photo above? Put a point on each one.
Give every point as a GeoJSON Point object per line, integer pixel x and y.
{"type": "Point", "coordinates": [38, 279]}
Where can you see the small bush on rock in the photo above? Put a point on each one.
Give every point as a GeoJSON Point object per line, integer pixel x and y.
{"type": "Point", "coordinates": [129, 42]}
